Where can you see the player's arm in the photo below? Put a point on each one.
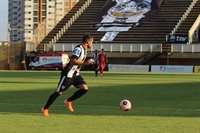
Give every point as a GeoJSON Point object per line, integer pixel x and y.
{"type": "Point", "coordinates": [74, 58]}
{"type": "Point", "coordinates": [75, 61]}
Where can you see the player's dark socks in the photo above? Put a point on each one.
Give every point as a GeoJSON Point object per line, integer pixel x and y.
{"type": "Point", "coordinates": [51, 99]}
{"type": "Point", "coordinates": [96, 73]}
{"type": "Point", "coordinates": [77, 94]}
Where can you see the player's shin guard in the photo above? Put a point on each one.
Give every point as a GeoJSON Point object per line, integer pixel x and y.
{"type": "Point", "coordinates": [77, 94]}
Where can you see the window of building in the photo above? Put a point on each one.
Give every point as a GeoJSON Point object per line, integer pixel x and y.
{"type": "Point", "coordinates": [35, 13]}
{"type": "Point", "coordinates": [15, 38]}
{"type": "Point", "coordinates": [27, 6]}
{"type": "Point", "coordinates": [43, 13]}
{"type": "Point", "coordinates": [35, 26]}
{"type": "Point", "coordinates": [27, 25]}
{"type": "Point", "coordinates": [27, 12]}
{"type": "Point", "coordinates": [43, 7]}
{"type": "Point", "coordinates": [27, 31]}
{"type": "Point", "coordinates": [35, 19]}
{"type": "Point", "coordinates": [27, 18]}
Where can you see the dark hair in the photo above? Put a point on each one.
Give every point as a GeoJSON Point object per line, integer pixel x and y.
{"type": "Point", "coordinates": [86, 38]}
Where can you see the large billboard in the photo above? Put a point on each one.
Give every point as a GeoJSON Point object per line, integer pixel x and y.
{"type": "Point", "coordinates": [121, 15]}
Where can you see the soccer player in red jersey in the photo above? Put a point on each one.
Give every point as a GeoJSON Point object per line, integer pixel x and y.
{"type": "Point", "coordinates": [103, 60]}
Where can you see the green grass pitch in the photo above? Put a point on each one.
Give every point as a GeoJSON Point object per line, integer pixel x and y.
{"type": "Point", "coordinates": [161, 103]}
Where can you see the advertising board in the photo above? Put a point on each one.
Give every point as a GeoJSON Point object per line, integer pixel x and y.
{"type": "Point", "coordinates": [128, 68]}
{"type": "Point", "coordinates": [172, 69]}
{"type": "Point", "coordinates": [196, 69]}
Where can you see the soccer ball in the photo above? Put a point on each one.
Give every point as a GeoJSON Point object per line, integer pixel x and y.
{"type": "Point", "coordinates": [125, 105]}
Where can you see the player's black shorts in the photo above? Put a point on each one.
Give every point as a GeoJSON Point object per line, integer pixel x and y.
{"type": "Point", "coordinates": [66, 82]}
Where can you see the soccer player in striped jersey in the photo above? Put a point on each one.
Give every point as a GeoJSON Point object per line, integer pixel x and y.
{"type": "Point", "coordinates": [70, 75]}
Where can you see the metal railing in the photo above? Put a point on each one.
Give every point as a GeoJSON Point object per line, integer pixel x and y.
{"type": "Point", "coordinates": [128, 48]}
{"type": "Point", "coordinates": [149, 53]}
{"type": "Point", "coordinates": [183, 17]}
{"type": "Point", "coordinates": [192, 29]}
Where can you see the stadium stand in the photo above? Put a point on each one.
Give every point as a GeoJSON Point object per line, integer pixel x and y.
{"type": "Point", "coordinates": [190, 19]}
{"type": "Point", "coordinates": [153, 31]}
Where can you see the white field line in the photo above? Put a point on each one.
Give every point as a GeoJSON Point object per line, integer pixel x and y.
{"type": "Point", "coordinates": [97, 106]}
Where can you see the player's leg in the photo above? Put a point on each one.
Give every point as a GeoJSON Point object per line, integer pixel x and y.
{"type": "Point", "coordinates": [102, 69]}
{"type": "Point", "coordinates": [56, 94]}
{"type": "Point", "coordinates": [83, 88]}
{"type": "Point", "coordinates": [51, 99]}
{"type": "Point", "coordinates": [96, 69]}
{"type": "Point", "coordinates": [61, 87]}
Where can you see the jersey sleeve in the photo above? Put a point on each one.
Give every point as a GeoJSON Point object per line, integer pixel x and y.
{"type": "Point", "coordinates": [76, 53]}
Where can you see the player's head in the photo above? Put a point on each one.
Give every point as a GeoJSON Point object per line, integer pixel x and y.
{"type": "Point", "coordinates": [96, 51]}
{"type": "Point", "coordinates": [87, 39]}
{"type": "Point", "coordinates": [102, 50]}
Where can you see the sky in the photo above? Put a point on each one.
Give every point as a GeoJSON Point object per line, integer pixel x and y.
{"type": "Point", "coordinates": [3, 20]}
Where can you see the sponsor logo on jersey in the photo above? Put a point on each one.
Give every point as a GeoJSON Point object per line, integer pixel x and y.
{"type": "Point", "coordinates": [76, 51]}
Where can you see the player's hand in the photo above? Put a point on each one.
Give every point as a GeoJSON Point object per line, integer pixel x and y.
{"type": "Point", "coordinates": [90, 61]}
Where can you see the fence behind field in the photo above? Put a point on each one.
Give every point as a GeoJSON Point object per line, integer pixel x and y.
{"type": "Point", "coordinates": [11, 57]}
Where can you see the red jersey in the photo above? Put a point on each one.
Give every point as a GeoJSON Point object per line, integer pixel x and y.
{"type": "Point", "coordinates": [102, 57]}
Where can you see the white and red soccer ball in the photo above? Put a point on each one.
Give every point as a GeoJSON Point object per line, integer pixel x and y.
{"type": "Point", "coordinates": [125, 105]}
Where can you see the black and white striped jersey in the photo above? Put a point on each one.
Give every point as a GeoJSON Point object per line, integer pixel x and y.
{"type": "Point", "coordinates": [78, 53]}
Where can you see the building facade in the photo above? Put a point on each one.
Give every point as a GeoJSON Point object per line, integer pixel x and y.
{"type": "Point", "coordinates": [23, 18]}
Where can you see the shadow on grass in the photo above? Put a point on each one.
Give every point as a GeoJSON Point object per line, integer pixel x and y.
{"type": "Point", "coordinates": [174, 99]}
{"type": "Point", "coordinates": [24, 82]}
